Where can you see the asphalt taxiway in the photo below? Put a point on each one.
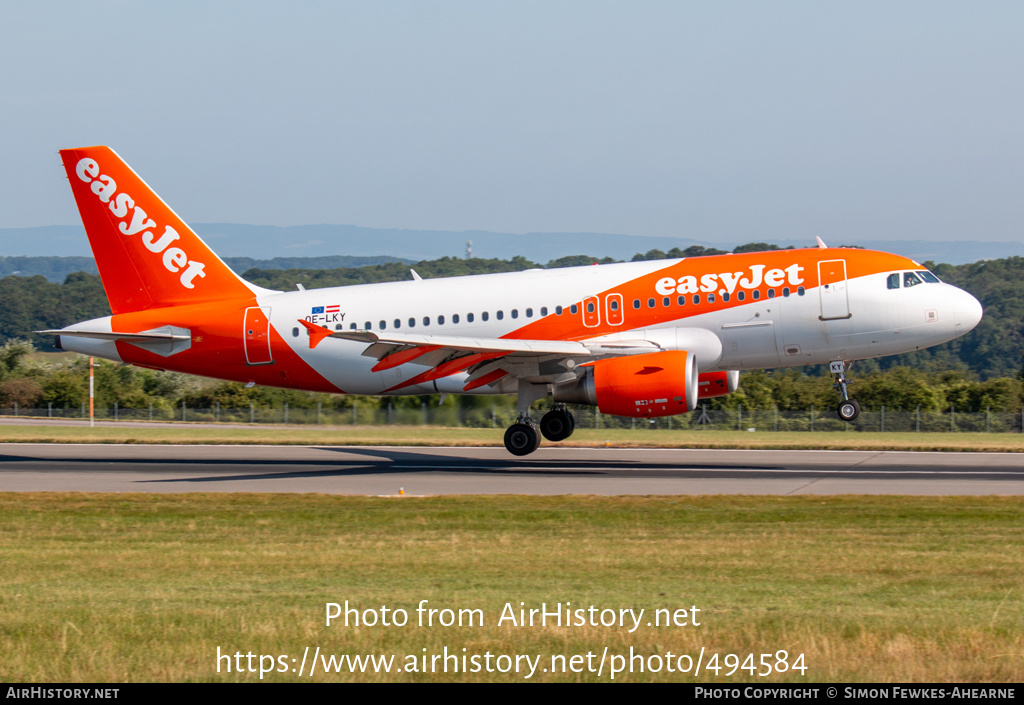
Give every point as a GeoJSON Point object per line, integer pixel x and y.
{"type": "Point", "coordinates": [436, 471]}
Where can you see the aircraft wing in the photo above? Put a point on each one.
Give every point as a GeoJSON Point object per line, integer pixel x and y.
{"type": "Point", "coordinates": [486, 359]}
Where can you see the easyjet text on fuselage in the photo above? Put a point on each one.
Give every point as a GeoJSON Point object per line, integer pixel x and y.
{"type": "Point", "coordinates": [727, 282]}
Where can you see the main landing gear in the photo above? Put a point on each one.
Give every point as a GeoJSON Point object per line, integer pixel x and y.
{"type": "Point", "coordinates": [848, 409]}
{"type": "Point", "coordinates": [558, 424]}
{"type": "Point", "coordinates": [523, 437]}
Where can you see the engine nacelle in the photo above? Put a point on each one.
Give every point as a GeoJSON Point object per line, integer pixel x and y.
{"type": "Point", "coordinates": [653, 384]}
{"type": "Point", "coordinates": [717, 384]}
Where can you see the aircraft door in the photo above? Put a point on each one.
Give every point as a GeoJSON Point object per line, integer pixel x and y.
{"type": "Point", "coordinates": [591, 312]}
{"type": "Point", "coordinates": [613, 313]}
{"type": "Point", "coordinates": [832, 290]}
{"type": "Point", "coordinates": [256, 334]}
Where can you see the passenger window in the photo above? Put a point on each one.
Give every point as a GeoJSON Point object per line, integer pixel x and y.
{"type": "Point", "coordinates": [800, 291]}
{"type": "Point", "coordinates": [740, 295]}
{"type": "Point", "coordinates": [500, 315]}
{"type": "Point", "coordinates": [666, 302]}
{"type": "Point", "coordinates": [785, 292]}
{"type": "Point", "coordinates": [681, 300]}
{"type": "Point", "coordinates": [543, 310]}
{"type": "Point", "coordinates": [337, 326]}
{"type": "Point", "coordinates": [558, 310]}
{"type": "Point", "coordinates": [529, 313]}
{"type": "Point", "coordinates": [572, 309]}
{"type": "Point", "coordinates": [771, 293]}
{"type": "Point", "coordinates": [725, 297]}
{"type": "Point", "coordinates": [484, 316]}
{"type": "Point", "coordinates": [455, 318]}
{"type": "Point", "coordinates": [515, 313]}
{"type": "Point", "coordinates": [440, 320]}
{"type": "Point", "coordinates": [893, 281]}
{"type": "Point", "coordinates": [412, 322]}
{"type": "Point", "coordinates": [367, 326]}
{"type": "Point", "coordinates": [383, 325]}
{"type": "Point", "coordinates": [696, 298]}
{"type": "Point", "coordinates": [469, 318]}
{"type": "Point", "coordinates": [755, 294]}
{"type": "Point", "coordinates": [352, 327]}
{"type": "Point", "coordinates": [650, 303]}
{"type": "Point", "coordinates": [426, 320]}
{"type": "Point", "coordinates": [398, 323]}
{"type": "Point", "coordinates": [295, 334]}
{"type": "Point", "coordinates": [910, 279]}
{"type": "Point", "coordinates": [613, 305]}
{"type": "Point", "coordinates": [590, 307]}
{"type": "Point", "coordinates": [711, 298]}
{"type": "Point", "coordinates": [636, 303]}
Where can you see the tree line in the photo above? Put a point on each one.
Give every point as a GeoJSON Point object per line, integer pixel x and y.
{"type": "Point", "coordinates": [31, 381]}
{"type": "Point", "coordinates": [982, 369]}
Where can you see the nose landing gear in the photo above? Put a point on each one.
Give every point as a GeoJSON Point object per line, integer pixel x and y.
{"type": "Point", "coordinates": [848, 409]}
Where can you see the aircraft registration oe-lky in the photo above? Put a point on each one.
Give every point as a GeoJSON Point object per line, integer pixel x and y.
{"type": "Point", "coordinates": [637, 339]}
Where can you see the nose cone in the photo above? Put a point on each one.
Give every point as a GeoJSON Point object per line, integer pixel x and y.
{"type": "Point", "coordinates": [966, 313]}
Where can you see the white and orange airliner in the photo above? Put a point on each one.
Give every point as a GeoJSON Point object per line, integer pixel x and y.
{"type": "Point", "coordinates": [639, 339]}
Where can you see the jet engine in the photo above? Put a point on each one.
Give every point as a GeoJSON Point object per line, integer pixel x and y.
{"type": "Point", "coordinates": [717, 384]}
{"type": "Point", "coordinates": [652, 384]}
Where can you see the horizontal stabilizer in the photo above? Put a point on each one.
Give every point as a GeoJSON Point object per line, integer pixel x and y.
{"type": "Point", "coordinates": [103, 335]}
{"type": "Point", "coordinates": [164, 341]}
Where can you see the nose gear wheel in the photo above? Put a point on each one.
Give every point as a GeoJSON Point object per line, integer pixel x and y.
{"type": "Point", "coordinates": [848, 409]}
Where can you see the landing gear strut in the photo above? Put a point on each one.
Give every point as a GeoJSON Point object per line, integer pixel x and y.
{"type": "Point", "coordinates": [558, 424]}
{"type": "Point", "coordinates": [848, 409]}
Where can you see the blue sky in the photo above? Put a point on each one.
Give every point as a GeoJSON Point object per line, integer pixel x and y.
{"type": "Point", "coordinates": [716, 121]}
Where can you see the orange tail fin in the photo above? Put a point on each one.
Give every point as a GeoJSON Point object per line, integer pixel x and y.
{"type": "Point", "coordinates": [147, 256]}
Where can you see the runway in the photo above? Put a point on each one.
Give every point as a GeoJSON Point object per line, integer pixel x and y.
{"type": "Point", "coordinates": [439, 471]}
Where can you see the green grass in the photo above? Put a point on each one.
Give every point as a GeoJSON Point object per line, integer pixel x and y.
{"type": "Point", "coordinates": [146, 587]}
{"type": "Point", "coordinates": [444, 436]}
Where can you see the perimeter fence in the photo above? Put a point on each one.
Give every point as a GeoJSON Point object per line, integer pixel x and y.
{"type": "Point", "coordinates": [737, 419]}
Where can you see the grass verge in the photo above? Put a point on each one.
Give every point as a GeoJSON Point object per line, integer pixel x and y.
{"type": "Point", "coordinates": [444, 436]}
{"type": "Point", "coordinates": [147, 587]}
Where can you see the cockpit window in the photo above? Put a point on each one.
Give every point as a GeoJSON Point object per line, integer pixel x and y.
{"type": "Point", "coordinates": [929, 277]}
{"type": "Point", "coordinates": [910, 279]}
{"type": "Point", "coordinates": [893, 282]}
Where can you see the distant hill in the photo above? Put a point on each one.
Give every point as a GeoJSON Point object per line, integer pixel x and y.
{"type": "Point", "coordinates": [56, 269]}
{"type": "Point", "coordinates": [322, 244]}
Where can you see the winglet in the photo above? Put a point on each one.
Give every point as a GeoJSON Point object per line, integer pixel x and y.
{"type": "Point", "coordinates": [316, 333]}
{"type": "Point", "coordinates": [821, 243]}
